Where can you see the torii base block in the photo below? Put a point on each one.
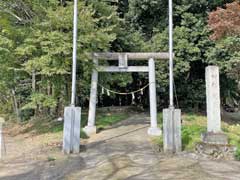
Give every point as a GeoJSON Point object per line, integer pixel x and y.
{"type": "Point", "coordinates": [172, 130]}
{"type": "Point", "coordinates": [71, 131]}
{"type": "Point", "coordinates": [90, 130]}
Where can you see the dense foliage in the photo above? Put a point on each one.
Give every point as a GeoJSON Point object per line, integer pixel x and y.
{"type": "Point", "coordinates": [36, 50]}
{"type": "Point", "coordinates": [224, 22]}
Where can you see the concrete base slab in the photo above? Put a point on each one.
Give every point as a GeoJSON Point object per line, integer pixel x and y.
{"type": "Point", "coordinates": [172, 130]}
{"type": "Point", "coordinates": [90, 130]}
{"type": "Point", "coordinates": [71, 131]}
{"type": "Point", "coordinates": [154, 132]}
{"type": "Point", "coordinates": [215, 138]}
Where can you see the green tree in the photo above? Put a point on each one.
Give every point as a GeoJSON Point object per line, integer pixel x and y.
{"type": "Point", "coordinates": [224, 23]}
{"type": "Point", "coordinates": [43, 55]}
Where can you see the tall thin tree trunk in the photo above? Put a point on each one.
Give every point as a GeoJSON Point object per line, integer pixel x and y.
{"type": "Point", "coordinates": [49, 93]}
{"type": "Point", "coordinates": [33, 81]}
{"type": "Point", "coordinates": [34, 86]}
{"type": "Point", "coordinates": [49, 88]}
{"type": "Point", "coordinates": [15, 104]}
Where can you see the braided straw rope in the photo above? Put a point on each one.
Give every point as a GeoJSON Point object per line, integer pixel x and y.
{"type": "Point", "coordinates": [125, 93]}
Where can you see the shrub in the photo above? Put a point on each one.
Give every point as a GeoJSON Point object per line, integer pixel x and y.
{"type": "Point", "coordinates": [191, 135]}
{"type": "Point", "coordinates": [237, 154]}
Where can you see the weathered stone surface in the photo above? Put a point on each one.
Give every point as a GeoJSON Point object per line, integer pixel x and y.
{"type": "Point", "coordinates": [153, 130]}
{"type": "Point", "coordinates": [213, 99]}
{"type": "Point", "coordinates": [215, 138]}
{"type": "Point", "coordinates": [71, 131]}
{"type": "Point", "coordinates": [214, 151]}
{"type": "Point", "coordinates": [92, 101]}
{"type": "Point", "coordinates": [76, 130]}
{"type": "Point", "coordinates": [214, 135]}
{"type": "Point", "coordinates": [90, 130]}
{"type": "Point", "coordinates": [123, 61]}
{"type": "Point", "coordinates": [172, 130]}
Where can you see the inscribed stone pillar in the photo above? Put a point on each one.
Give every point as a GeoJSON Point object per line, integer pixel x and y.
{"type": "Point", "coordinates": [213, 99]}
{"type": "Point", "coordinates": [214, 134]}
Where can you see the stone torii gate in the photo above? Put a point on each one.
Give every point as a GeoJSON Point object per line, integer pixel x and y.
{"type": "Point", "coordinates": [123, 67]}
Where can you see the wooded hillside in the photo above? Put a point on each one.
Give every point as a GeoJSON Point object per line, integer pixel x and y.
{"type": "Point", "coordinates": [36, 51]}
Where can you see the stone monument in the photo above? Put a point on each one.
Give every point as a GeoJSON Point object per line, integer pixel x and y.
{"type": "Point", "coordinates": [214, 133]}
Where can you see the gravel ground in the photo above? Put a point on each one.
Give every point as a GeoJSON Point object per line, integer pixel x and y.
{"type": "Point", "coordinates": [123, 151]}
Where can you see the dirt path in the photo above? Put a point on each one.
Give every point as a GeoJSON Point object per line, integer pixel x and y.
{"type": "Point", "coordinates": [121, 152]}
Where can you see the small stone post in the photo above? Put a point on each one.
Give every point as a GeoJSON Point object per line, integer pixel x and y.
{"type": "Point", "coordinates": [214, 134]}
{"type": "Point", "coordinates": [172, 139]}
{"type": "Point", "coordinates": [71, 131]}
{"type": "Point", "coordinates": [153, 130]}
{"type": "Point", "coordinates": [91, 127]}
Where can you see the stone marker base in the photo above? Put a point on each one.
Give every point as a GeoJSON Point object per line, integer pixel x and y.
{"type": "Point", "coordinates": [71, 130]}
{"type": "Point", "coordinates": [172, 130]}
{"type": "Point", "coordinates": [215, 151]}
{"type": "Point", "coordinates": [215, 138]}
{"type": "Point", "coordinates": [90, 130]}
{"type": "Point", "coordinates": [154, 132]}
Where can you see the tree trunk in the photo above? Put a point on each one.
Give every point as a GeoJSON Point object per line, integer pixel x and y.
{"type": "Point", "coordinates": [33, 81]}
{"type": "Point", "coordinates": [15, 104]}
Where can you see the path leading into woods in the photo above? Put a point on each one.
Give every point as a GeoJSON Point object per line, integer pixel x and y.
{"type": "Point", "coordinates": [123, 151]}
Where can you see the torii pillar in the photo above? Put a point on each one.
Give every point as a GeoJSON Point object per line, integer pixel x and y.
{"type": "Point", "coordinates": [91, 127]}
{"type": "Point", "coordinates": [153, 130]}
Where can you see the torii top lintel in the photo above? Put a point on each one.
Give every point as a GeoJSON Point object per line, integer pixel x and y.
{"type": "Point", "coordinates": [131, 55]}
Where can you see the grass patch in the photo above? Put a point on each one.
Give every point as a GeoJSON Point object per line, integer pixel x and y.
{"type": "Point", "coordinates": [50, 159]}
{"type": "Point", "coordinates": [237, 154]}
{"type": "Point", "coordinates": [233, 133]}
{"type": "Point", "coordinates": [108, 119]}
{"type": "Point", "coordinates": [191, 135]}
{"type": "Point", "coordinates": [158, 141]}
{"type": "Point", "coordinates": [160, 120]}
{"type": "Point", "coordinates": [42, 125]}
{"type": "Point", "coordinates": [193, 125]}
{"type": "Point", "coordinates": [190, 117]}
